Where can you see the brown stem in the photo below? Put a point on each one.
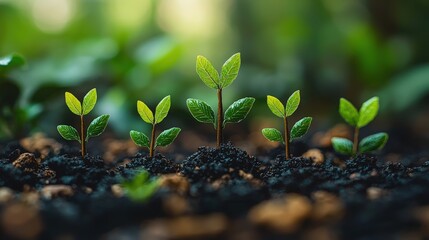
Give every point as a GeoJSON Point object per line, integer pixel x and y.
{"type": "Point", "coordinates": [219, 118]}
{"type": "Point", "coordinates": [356, 141]}
{"type": "Point", "coordinates": [152, 141]}
{"type": "Point", "coordinates": [82, 136]}
{"type": "Point", "coordinates": [287, 154]}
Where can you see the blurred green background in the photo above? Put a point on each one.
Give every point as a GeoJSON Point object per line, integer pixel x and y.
{"type": "Point", "coordinates": [145, 49]}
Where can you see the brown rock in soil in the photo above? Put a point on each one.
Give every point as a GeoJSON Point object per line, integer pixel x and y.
{"type": "Point", "coordinates": [175, 182]}
{"type": "Point", "coordinates": [375, 193]}
{"type": "Point", "coordinates": [186, 227]}
{"type": "Point", "coordinates": [26, 162]}
{"type": "Point", "coordinates": [6, 195]}
{"type": "Point", "coordinates": [48, 173]}
{"type": "Point", "coordinates": [51, 191]}
{"type": "Point", "coordinates": [40, 143]}
{"type": "Point", "coordinates": [323, 139]}
{"type": "Point", "coordinates": [115, 148]}
{"type": "Point", "coordinates": [327, 207]}
{"type": "Point", "coordinates": [21, 221]}
{"type": "Point", "coordinates": [175, 205]}
{"type": "Point", "coordinates": [316, 155]}
{"type": "Point", "coordinates": [117, 190]}
{"type": "Point", "coordinates": [283, 215]}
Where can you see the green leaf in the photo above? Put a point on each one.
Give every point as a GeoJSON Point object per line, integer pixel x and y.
{"type": "Point", "coordinates": [348, 112]}
{"type": "Point", "coordinates": [10, 62]}
{"type": "Point", "coordinates": [162, 109]}
{"type": "Point", "coordinates": [200, 110]}
{"type": "Point", "coordinates": [140, 188]}
{"type": "Point", "coordinates": [207, 72]}
{"type": "Point", "coordinates": [368, 111]}
{"type": "Point", "coordinates": [167, 137]}
{"type": "Point", "coordinates": [373, 142]}
{"type": "Point", "coordinates": [300, 128]}
{"type": "Point", "coordinates": [68, 132]}
{"type": "Point", "coordinates": [230, 70]}
{"type": "Point", "coordinates": [89, 101]}
{"type": "Point", "coordinates": [342, 145]}
{"type": "Point", "coordinates": [97, 126]}
{"type": "Point", "coordinates": [73, 103]}
{"type": "Point", "coordinates": [292, 103]}
{"type": "Point", "coordinates": [144, 112]}
{"type": "Point", "coordinates": [139, 138]}
{"type": "Point", "coordinates": [276, 106]}
{"type": "Point", "coordinates": [238, 110]}
{"type": "Point", "coordinates": [272, 134]}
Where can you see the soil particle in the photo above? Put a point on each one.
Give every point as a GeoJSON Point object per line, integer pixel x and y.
{"type": "Point", "coordinates": [186, 227]}
{"type": "Point", "coordinates": [6, 195]}
{"type": "Point", "coordinates": [117, 190]}
{"type": "Point", "coordinates": [374, 193]}
{"type": "Point", "coordinates": [284, 215]}
{"type": "Point", "coordinates": [21, 221]}
{"type": "Point", "coordinates": [327, 207]}
{"type": "Point", "coordinates": [316, 155]}
{"type": "Point", "coordinates": [175, 182]}
{"type": "Point", "coordinates": [51, 191]}
{"type": "Point", "coordinates": [26, 162]}
{"type": "Point", "coordinates": [156, 165]}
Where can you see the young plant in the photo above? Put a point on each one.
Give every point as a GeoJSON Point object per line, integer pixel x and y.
{"type": "Point", "coordinates": [298, 130]}
{"type": "Point", "coordinates": [166, 137]}
{"type": "Point", "coordinates": [235, 113]}
{"type": "Point", "coordinates": [366, 114]}
{"type": "Point", "coordinates": [140, 188]}
{"type": "Point", "coordinates": [95, 128]}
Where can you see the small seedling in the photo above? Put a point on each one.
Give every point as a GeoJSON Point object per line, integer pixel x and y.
{"type": "Point", "coordinates": [166, 137]}
{"type": "Point", "coordinates": [140, 188]}
{"type": "Point", "coordinates": [235, 113]}
{"type": "Point", "coordinates": [95, 128]}
{"type": "Point", "coordinates": [366, 114]}
{"type": "Point", "coordinates": [298, 130]}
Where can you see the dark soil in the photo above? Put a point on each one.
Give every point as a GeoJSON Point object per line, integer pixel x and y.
{"type": "Point", "coordinates": [381, 200]}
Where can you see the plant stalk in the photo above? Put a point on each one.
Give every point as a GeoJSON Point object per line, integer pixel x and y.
{"type": "Point", "coordinates": [356, 141]}
{"type": "Point", "coordinates": [82, 136]}
{"type": "Point", "coordinates": [152, 141]}
{"type": "Point", "coordinates": [219, 118]}
{"type": "Point", "coordinates": [287, 154]}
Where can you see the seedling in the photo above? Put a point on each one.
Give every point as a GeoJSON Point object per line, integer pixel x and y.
{"type": "Point", "coordinates": [166, 137]}
{"type": "Point", "coordinates": [140, 188]}
{"type": "Point", "coordinates": [95, 128]}
{"type": "Point", "coordinates": [235, 113]}
{"type": "Point", "coordinates": [298, 130]}
{"type": "Point", "coordinates": [366, 114]}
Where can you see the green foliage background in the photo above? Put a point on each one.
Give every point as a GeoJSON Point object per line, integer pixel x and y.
{"type": "Point", "coordinates": [145, 49]}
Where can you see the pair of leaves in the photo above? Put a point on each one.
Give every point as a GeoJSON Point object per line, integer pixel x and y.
{"type": "Point", "coordinates": [211, 77]}
{"type": "Point", "coordinates": [235, 113]}
{"type": "Point", "coordinates": [88, 104]}
{"type": "Point", "coordinates": [298, 130]}
{"type": "Point", "coordinates": [140, 188]}
{"type": "Point", "coordinates": [368, 144]}
{"type": "Point", "coordinates": [164, 139]}
{"type": "Point", "coordinates": [161, 111]}
{"type": "Point", "coordinates": [277, 107]}
{"type": "Point", "coordinates": [366, 114]}
{"type": "Point", "coordinates": [95, 128]}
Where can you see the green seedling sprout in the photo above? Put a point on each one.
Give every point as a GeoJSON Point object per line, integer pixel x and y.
{"type": "Point", "coordinates": [140, 188]}
{"type": "Point", "coordinates": [95, 128]}
{"type": "Point", "coordinates": [235, 113]}
{"type": "Point", "coordinates": [366, 114]}
{"type": "Point", "coordinates": [166, 137]}
{"type": "Point", "coordinates": [298, 130]}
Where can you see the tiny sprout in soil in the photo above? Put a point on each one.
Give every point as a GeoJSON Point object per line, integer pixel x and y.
{"type": "Point", "coordinates": [95, 128]}
{"type": "Point", "coordinates": [298, 130]}
{"type": "Point", "coordinates": [140, 188]}
{"type": "Point", "coordinates": [166, 137]}
{"type": "Point", "coordinates": [366, 114]}
{"type": "Point", "coordinates": [235, 113]}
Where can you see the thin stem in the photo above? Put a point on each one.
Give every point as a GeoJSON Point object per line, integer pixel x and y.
{"type": "Point", "coordinates": [287, 154]}
{"type": "Point", "coordinates": [356, 140]}
{"type": "Point", "coordinates": [82, 136]}
{"type": "Point", "coordinates": [152, 141]}
{"type": "Point", "coordinates": [219, 118]}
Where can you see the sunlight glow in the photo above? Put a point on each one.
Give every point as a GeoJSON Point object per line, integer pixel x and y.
{"type": "Point", "coordinates": [52, 16]}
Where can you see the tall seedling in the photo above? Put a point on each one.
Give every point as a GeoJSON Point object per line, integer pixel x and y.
{"type": "Point", "coordinates": [299, 128]}
{"type": "Point", "coordinates": [235, 113]}
{"type": "Point", "coordinates": [95, 128]}
{"type": "Point", "coordinates": [366, 114]}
